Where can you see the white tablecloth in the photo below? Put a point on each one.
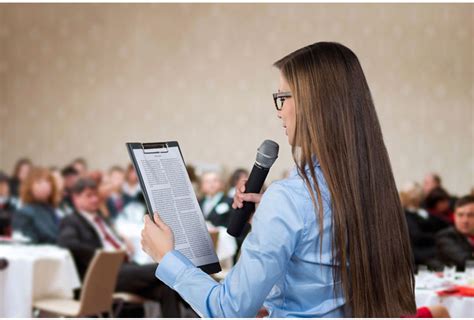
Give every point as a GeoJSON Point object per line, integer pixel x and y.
{"type": "Point", "coordinates": [458, 307]}
{"type": "Point", "coordinates": [429, 284]}
{"type": "Point", "coordinates": [34, 272]}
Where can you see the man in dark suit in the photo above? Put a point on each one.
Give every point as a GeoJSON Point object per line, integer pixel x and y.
{"type": "Point", "coordinates": [85, 231]}
{"type": "Point", "coordinates": [456, 244]}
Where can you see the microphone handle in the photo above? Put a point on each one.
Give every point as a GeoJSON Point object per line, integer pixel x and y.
{"type": "Point", "coordinates": [254, 185]}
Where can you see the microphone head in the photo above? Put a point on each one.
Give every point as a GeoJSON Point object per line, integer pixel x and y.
{"type": "Point", "coordinates": [267, 153]}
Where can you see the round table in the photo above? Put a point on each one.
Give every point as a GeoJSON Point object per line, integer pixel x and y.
{"type": "Point", "coordinates": [426, 294]}
{"type": "Point", "coordinates": [34, 272]}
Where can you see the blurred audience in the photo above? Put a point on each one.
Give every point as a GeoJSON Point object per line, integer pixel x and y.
{"type": "Point", "coordinates": [85, 231]}
{"type": "Point", "coordinates": [115, 199]}
{"type": "Point", "coordinates": [215, 204]}
{"type": "Point", "coordinates": [131, 187]}
{"type": "Point", "coordinates": [20, 172]}
{"type": "Point", "coordinates": [238, 176]}
{"type": "Point", "coordinates": [438, 204]}
{"type": "Point", "coordinates": [194, 179]}
{"type": "Point", "coordinates": [430, 182]}
{"type": "Point", "coordinates": [58, 179]}
{"type": "Point", "coordinates": [38, 217]}
{"type": "Point", "coordinates": [456, 244]}
{"type": "Point", "coordinates": [421, 226]}
{"type": "Point", "coordinates": [69, 176]}
{"type": "Point", "coordinates": [80, 164]}
{"type": "Point", "coordinates": [6, 206]}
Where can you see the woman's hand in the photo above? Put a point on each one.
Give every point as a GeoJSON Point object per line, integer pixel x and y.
{"type": "Point", "coordinates": [157, 238]}
{"type": "Point", "coordinates": [240, 196]}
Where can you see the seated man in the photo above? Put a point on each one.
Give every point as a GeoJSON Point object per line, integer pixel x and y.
{"type": "Point", "coordinates": [456, 244]}
{"type": "Point", "coordinates": [85, 231]}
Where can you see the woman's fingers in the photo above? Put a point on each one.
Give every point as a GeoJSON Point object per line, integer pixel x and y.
{"type": "Point", "coordinates": [157, 238]}
{"type": "Point", "coordinates": [160, 222]}
{"type": "Point", "coordinates": [246, 197]}
{"type": "Point", "coordinates": [239, 190]}
{"type": "Point", "coordinates": [252, 197]}
{"type": "Point", "coordinates": [156, 221]}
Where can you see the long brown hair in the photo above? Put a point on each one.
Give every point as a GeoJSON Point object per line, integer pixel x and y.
{"type": "Point", "coordinates": [35, 174]}
{"type": "Point", "coordinates": [336, 121]}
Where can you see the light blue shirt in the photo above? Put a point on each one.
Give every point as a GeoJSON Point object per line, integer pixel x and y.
{"type": "Point", "coordinates": [280, 266]}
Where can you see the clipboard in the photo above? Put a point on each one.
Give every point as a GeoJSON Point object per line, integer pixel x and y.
{"type": "Point", "coordinates": [167, 189]}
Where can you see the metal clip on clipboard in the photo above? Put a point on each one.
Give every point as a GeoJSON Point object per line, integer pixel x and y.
{"type": "Point", "coordinates": [157, 147]}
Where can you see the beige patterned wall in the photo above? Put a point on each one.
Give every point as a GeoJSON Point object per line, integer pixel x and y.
{"type": "Point", "coordinates": [81, 80]}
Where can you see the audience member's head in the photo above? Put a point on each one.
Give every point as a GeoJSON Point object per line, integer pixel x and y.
{"type": "Point", "coordinates": [131, 175]}
{"type": "Point", "coordinates": [116, 178]}
{"type": "Point", "coordinates": [80, 164]}
{"type": "Point", "coordinates": [40, 187]}
{"type": "Point", "coordinates": [191, 170]}
{"type": "Point", "coordinates": [70, 176]}
{"type": "Point", "coordinates": [411, 196]}
{"type": "Point", "coordinates": [22, 168]}
{"type": "Point", "coordinates": [464, 215]}
{"type": "Point", "coordinates": [211, 183]}
{"type": "Point", "coordinates": [85, 195]}
{"type": "Point", "coordinates": [431, 181]}
{"type": "Point", "coordinates": [4, 188]}
{"type": "Point", "coordinates": [237, 177]}
{"type": "Point", "coordinates": [96, 175]}
{"type": "Point", "coordinates": [438, 201]}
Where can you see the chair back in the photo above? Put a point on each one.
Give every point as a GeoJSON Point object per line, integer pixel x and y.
{"type": "Point", "coordinates": [99, 283]}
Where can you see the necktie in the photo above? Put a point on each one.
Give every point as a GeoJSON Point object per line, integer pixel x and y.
{"type": "Point", "coordinates": [107, 236]}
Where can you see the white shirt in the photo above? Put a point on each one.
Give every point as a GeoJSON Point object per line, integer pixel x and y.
{"type": "Point", "coordinates": [105, 244]}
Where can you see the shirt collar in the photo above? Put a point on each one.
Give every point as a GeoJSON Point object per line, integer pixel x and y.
{"type": "Point", "coordinates": [294, 170]}
{"type": "Point", "coordinates": [89, 216]}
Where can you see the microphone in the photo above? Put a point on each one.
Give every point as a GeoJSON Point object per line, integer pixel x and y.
{"type": "Point", "coordinates": [267, 153]}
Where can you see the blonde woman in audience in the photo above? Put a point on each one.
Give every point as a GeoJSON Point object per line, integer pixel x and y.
{"type": "Point", "coordinates": [38, 218]}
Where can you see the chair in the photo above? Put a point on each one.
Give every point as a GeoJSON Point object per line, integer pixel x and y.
{"type": "Point", "coordinates": [125, 297]}
{"type": "Point", "coordinates": [97, 290]}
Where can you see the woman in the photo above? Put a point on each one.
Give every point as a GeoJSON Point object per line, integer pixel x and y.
{"type": "Point", "coordinates": [331, 240]}
{"type": "Point", "coordinates": [38, 219]}
{"type": "Point", "coordinates": [20, 172]}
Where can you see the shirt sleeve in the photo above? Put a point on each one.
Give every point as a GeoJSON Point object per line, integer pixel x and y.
{"type": "Point", "coordinates": [276, 230]}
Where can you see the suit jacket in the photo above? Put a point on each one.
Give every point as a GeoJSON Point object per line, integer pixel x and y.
{"type": "Point", "coordinates": [220, 214]}
{"type": "Point", "coordinates": [77, 235]}
{"type": "Point", "coordinates": [454, 248]}
{"type": "Point", "coordinates": [38, 222]}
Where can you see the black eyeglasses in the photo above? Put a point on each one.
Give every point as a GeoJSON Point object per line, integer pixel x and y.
{"type": "Point", "coordinates": [279, 99]}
